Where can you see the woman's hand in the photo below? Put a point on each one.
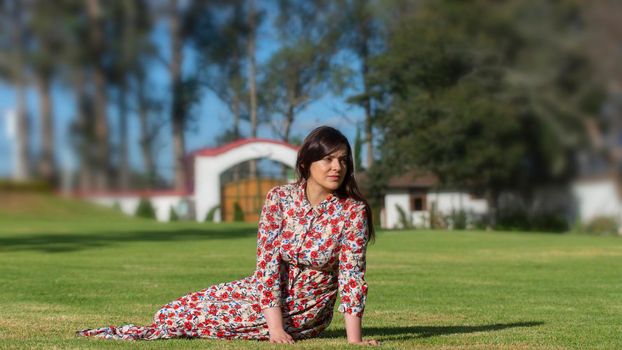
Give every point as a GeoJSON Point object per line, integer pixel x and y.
{"type": "Point", "coordinates": [371, 342]}
{"type": "Point", "coordinates": [281, 337]}
{"type": "Point", "coordinates": [277, 333]}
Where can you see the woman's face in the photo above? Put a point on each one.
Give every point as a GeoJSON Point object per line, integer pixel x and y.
{"type": "Point", "coordinates": [330, 171]}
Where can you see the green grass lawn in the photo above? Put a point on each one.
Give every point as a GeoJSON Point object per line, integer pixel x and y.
{"type": "Point", "coordinates": [67, 265]}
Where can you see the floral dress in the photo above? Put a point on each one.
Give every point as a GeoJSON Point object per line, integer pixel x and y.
{"type": "Point", "coordinates": [305, 255]}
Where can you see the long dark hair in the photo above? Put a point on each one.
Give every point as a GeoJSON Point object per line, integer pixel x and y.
{"type": "Point", "coordinates": [321, 142]}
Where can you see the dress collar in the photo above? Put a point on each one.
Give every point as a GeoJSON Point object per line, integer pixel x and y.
{"type": "Point", "coordinates": [322, 206]}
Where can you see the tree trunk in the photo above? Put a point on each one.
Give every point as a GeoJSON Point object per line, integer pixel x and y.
{"type": "Point", "coordinates": [235, 108]}
{"type": "Point", "coordinates": [47, 169]}
{"type": "Point", "coordinates": [85, 135]}
{"type": "Point", "coordinates": [124, 166]}
{"type": "Point", "coordinates": [23, 162]}
{"type": "Point", "coordinates": [252, 66]}
{"type": "Point", "coordinates": [364, 52]}
{"type": "Point", "coordinates": [289, 120]}
{"type": "Point", "coordinates": [492, 197]}
{"type": "Point", "coordinates": [23, 131]}
{"type": "Point", "coordinates": [178, 108]}
{"type": "Point", "coordinates": [147, 136]}
{"type": "Point", "coordinates": [100, 98]}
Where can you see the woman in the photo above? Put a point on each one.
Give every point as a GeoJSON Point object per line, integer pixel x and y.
{"type": "Point", "coordinates": [311, 245]}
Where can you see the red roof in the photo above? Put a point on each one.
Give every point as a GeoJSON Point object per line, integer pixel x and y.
{"type": "Point", "coordinates": [130, 193]}
{"type": "Point", "coordinates": [214, 151]}
{"type": "Point", "coordinates": [414, 179]}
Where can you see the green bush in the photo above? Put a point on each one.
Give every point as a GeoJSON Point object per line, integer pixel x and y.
{"type": "Point", "coordinates": [24, 186]}
{"type": "Point", "coordinates": [172, 216]}
{"type": "Point", "coordinates": [145, 209]}
{"type": "Point", "coordinates": [512, 220]}
{"type": "Point", "coordinates": [211, 213]}
{"type": "Point", "coordinates": [405, 220]}
{"type": "Point", "coordinates": [549, 223]}
{"type": "Point", "coordinates": [520, 220]}
{"type": "Point", "coordinates": [437, 222]}
{"type": "Point", "coordinates": [116, 207]}
{"type": "Point", "coordinates": [376, 211]}
{"type": "Point", "coordinates": [459, 219]}
{"type": "Point", "coordinates": [238, 213]}
{"type": "Point", "coordinates": [602, 225]}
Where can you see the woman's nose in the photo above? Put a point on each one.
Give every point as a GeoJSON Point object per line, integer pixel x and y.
{"type": "Point", "coordinates": [336, 164]}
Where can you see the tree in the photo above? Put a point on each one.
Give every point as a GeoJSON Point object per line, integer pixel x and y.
{"type": "Point", "coordinates": [12, 57]}
{"type": "Point", "coordinates": [224, 52]}
{"type": "Point", "coordinates": [486, 95]}
{"type": "Point", "coordinates": [48, 41]}
{"type": "Point", "coordinates": [358, 148]}
{"type": "Point", "coordinates": [604, 34]}
{"type": "Point", "coordinates": [131, 24]}
{"type": "Point", "coordinates": [298, 73]}
{"type": "Point", "coordinates": [253, 23]}
{"type": "Point", "coordinates": [97, 50]}
{"type": "Point", "coordinates": [148, 109]}
{"type": "Point", "coordinates": [229, 52]}
{"type": "Point", "coordinates": [362, 35]}
{"type": "Point", "coordinates": [182, 19]}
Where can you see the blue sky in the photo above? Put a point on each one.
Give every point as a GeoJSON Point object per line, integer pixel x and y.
{"type": "Point", "coordinates": [211, 115]}
{"type": "Point", "coordinates": [212, 119]}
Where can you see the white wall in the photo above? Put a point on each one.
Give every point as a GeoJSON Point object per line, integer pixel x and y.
{"type": "Point", "coordinates": [163, 204]}
{"type": "Point", "coordinates": [391, 199]}
{"type": "Point", "coordinates": [446, 203]}
{"type": "Point", "coordinates": [207, 170]}
{"type": "Point", "coordinates": [129, 204]}
{"type": "Point", "coordinates": [597, 198]}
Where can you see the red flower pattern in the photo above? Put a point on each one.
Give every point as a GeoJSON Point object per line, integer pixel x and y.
{"type": "Point", "coordinates": [306, 256]}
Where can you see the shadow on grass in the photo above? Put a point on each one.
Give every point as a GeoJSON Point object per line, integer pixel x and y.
{"type": "Point", "coordinates": [428, 331]}
{"type": "Point", "coordinates": [62, 243]}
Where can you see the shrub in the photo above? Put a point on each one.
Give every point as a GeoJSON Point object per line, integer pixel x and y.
{"type": "Point", "coordinates": [549, 223]}
{"type": "Point", "coordinates": [172, 216]}
{"type": "Point", "coordinates": [238, 213]}
{"type": "Point", "coordinates": [602, 225]}
{"type": "Point", "coordinates": [405, 220]}
{"type": "Point", "coordinates": [145, 209]}
{"type": "Point", "coordinates": [24, 186]}
{"type": "Point", "coordinates": [437, 222]}
{"type": "Point", "coordinates": [116, 206]}
{"type": "Point", "coordinates": [520, 220]}
{"type": "Point", "coordinates": [376, 214]}
{"type": "Point", "coordinates": [512, 220]}
{"type": "Point", "coordinates": [458, 219]}
{"type": "Point", "coordinates": [211, 213]}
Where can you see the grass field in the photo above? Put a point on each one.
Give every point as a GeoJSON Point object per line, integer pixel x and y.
{"type": "Point", "coordinates": [66, 265]}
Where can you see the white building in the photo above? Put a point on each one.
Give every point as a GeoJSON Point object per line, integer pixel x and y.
{"type": "Point", "coordinates": [412, 197]}
{"type": "Point", "coordinates": [205, 189]}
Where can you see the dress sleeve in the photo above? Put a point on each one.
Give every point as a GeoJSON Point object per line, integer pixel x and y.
{"type": "Point", "coordinates": [352, 285]}
{"type": "Point", "coordinates": [268, 252]}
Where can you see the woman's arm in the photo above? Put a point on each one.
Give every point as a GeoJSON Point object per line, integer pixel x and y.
{"type": "Point", "coordinates": [268, 264]}
{"type": "Point", "coordinates": [274, 318]}
{"type": "Point", "coordinates": [352, 285]}
{"type": "Point", "coordinates": [354, 331]}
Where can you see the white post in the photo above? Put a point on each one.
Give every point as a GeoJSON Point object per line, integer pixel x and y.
{"type": "Point", "coordinates": [18, 169]}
